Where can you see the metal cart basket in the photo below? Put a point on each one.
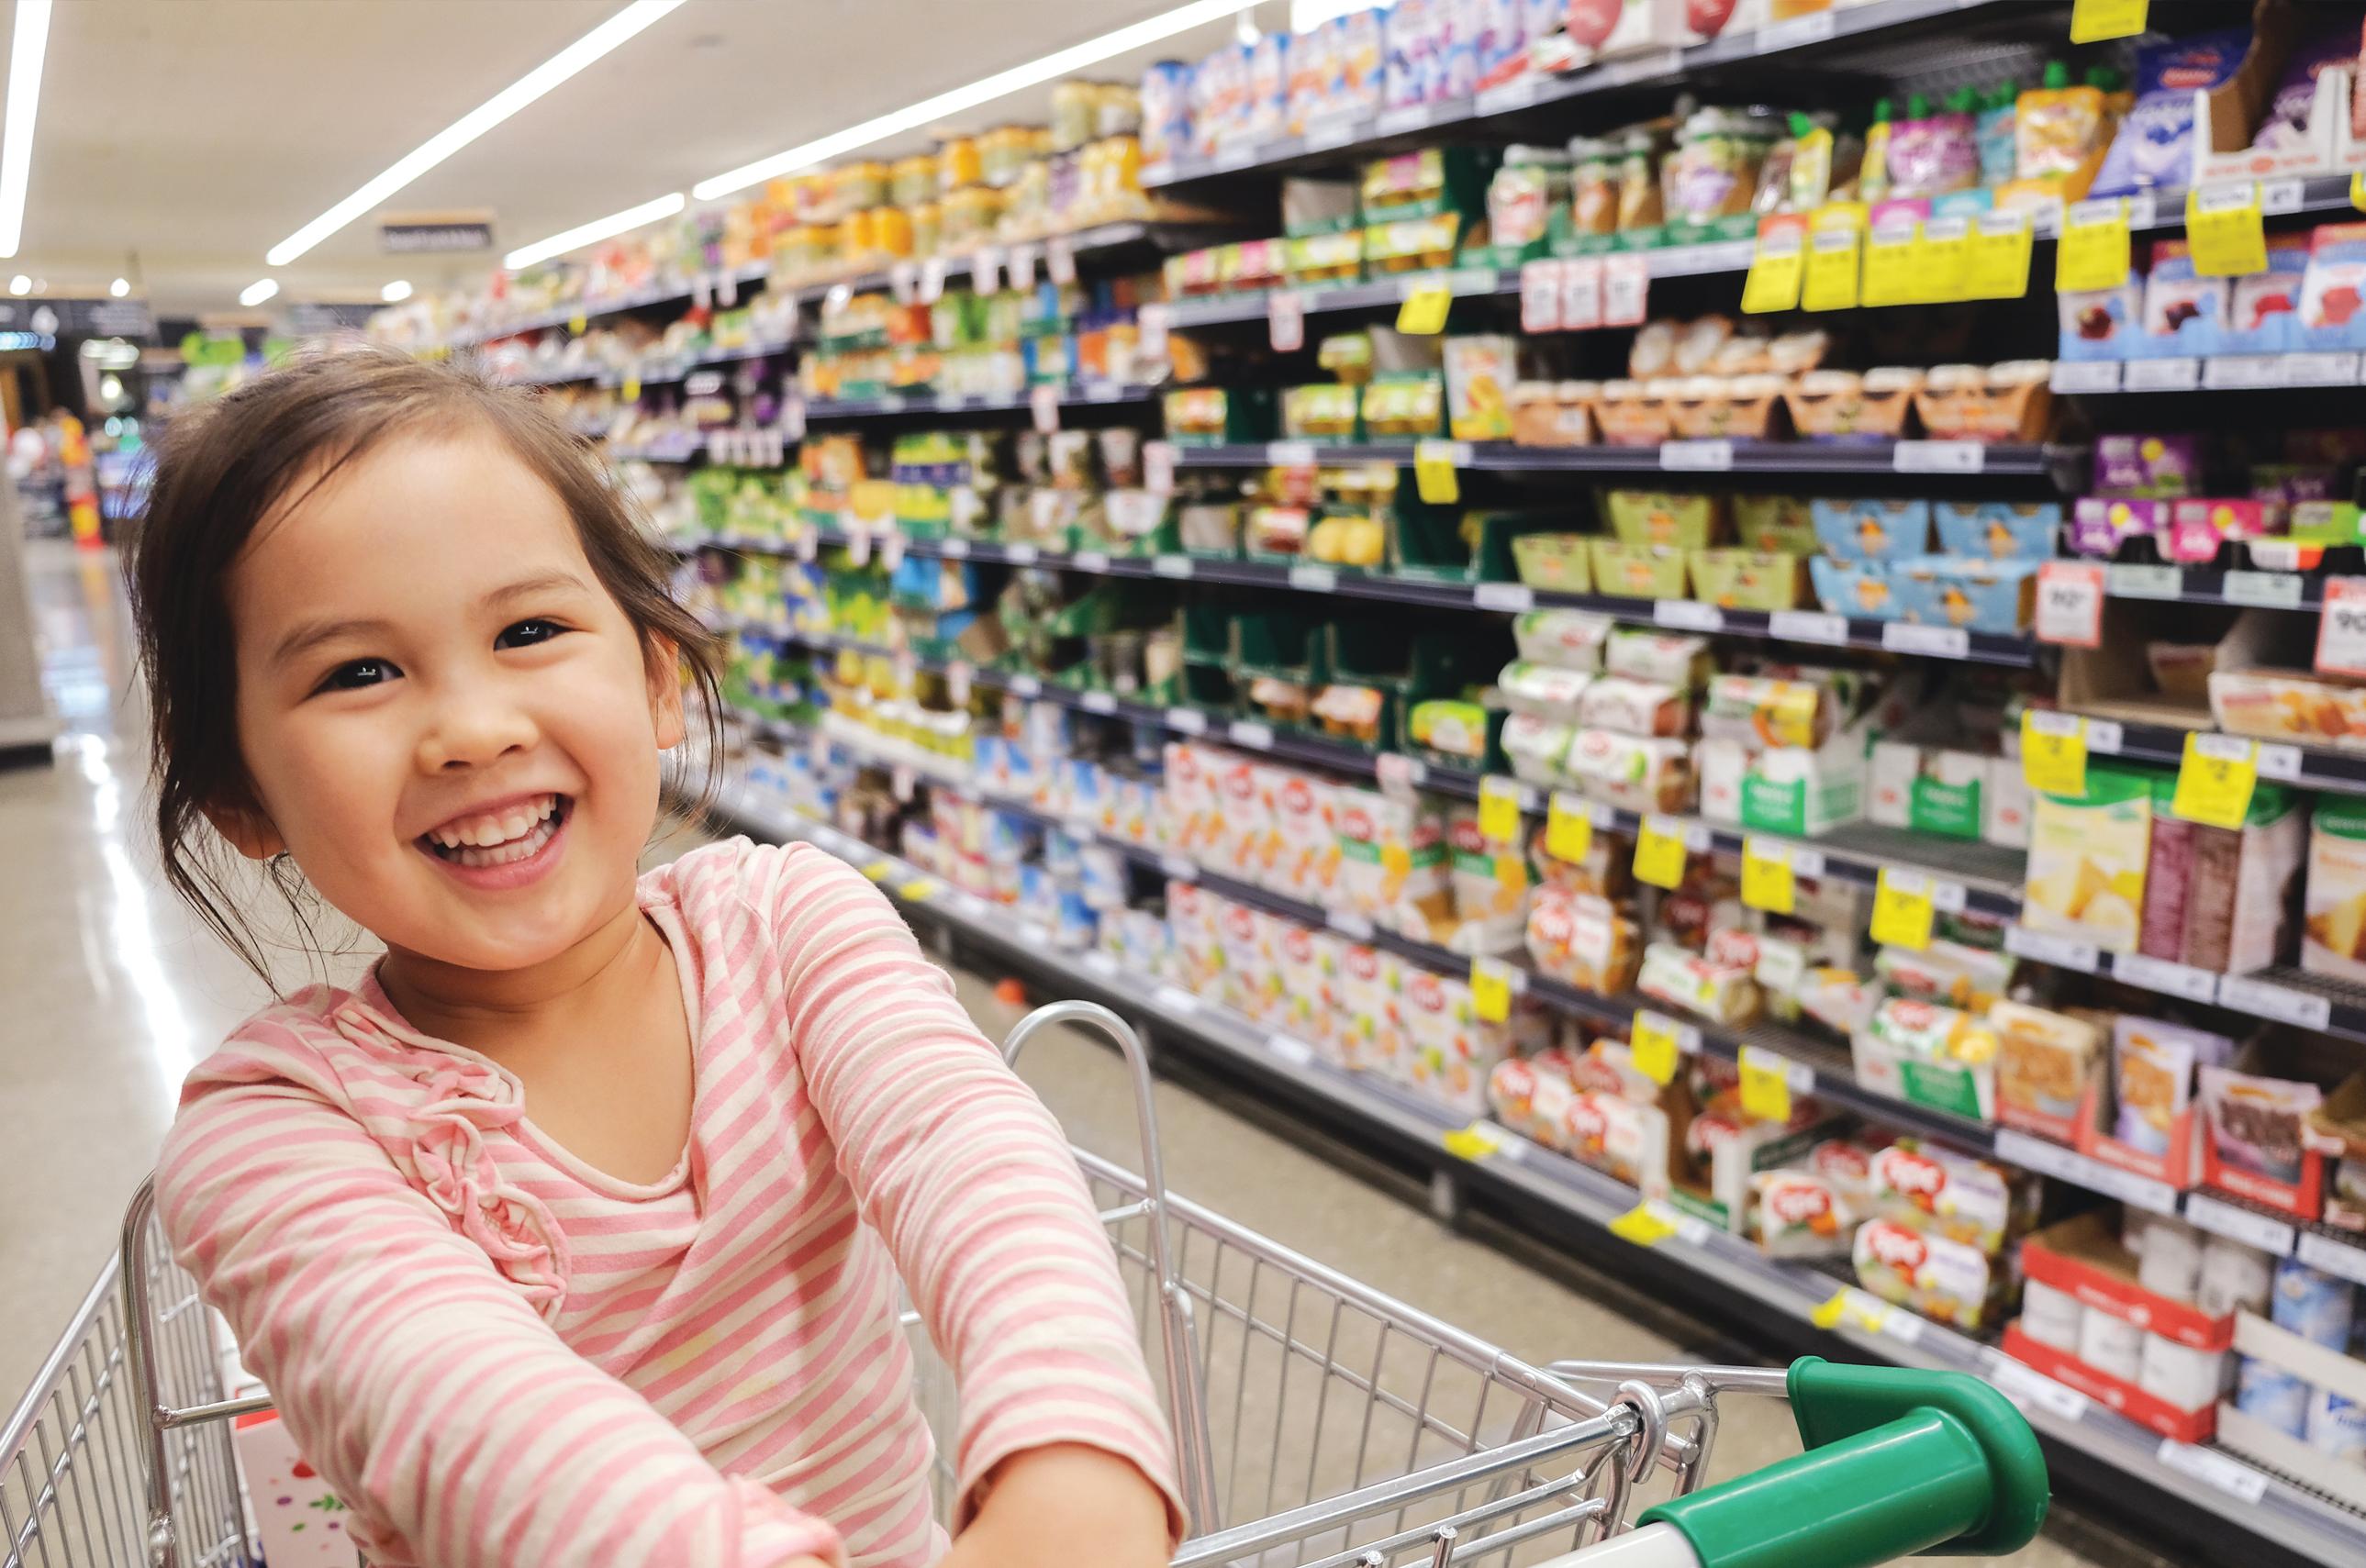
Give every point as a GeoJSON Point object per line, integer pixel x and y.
{"type": "Point", "coordinates": [1319, 1424]}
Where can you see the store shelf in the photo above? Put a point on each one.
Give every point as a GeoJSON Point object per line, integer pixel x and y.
{"type": "Point", "coordinates": [2231, 373]}
{"type": "Point", "coordinates": [668, 452]}
{"type": "Point", "coordinates": [1531, 1183]}
{"type": "Point", "coordinates": [591, 309]}
{"type": "Point", "coordinates": [1075, 394]}
{"type": "Point", "coordinates": [650, 373]}
{"type": "Point", "coordinates": [2304, 767]}
{"type": "Point", "coordinates": [1924, 461]}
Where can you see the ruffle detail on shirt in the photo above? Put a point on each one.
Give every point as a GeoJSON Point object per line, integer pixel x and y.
{"type": "Point", "coordinates": [441, 1151]}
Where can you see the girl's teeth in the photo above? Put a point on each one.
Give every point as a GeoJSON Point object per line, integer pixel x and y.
{"type": "Point", "coordinates": [523, 850]}
{"type": "Point", "coordinates": [488, 833]}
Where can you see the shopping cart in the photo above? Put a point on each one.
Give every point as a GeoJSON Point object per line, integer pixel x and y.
{"type": "Point", "coordinates": [1319, 1424]}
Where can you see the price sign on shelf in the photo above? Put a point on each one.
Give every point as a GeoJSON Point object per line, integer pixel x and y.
{"type": "Point", "coordinates": [2093, 21]}
{"type": "Point", "coordinates": [1491, 984]}
{"type": "Point", "coordinates": [2095, 252]}
{"type": "Point", "coordinates": [1500, 802]}
{"type": "Point", "coordinates": [2054, 752]}
{"type": "Point", "coordinates": [1625, 290]}
{"type": "Point", "coordinates": [1541, 296]}
{"type": "Point", "coordinates": [1766, 875]}
{"type": "Point", "coordinates": [1661, 853]}
{"type": "Point", "coordinates": [2224, 230]}
{"type": "Point", "coordinates": [1777, 266]}
{"type": "Point", "coordinates": [1569, 827]}
{"type": "Point", "coordinates": [1434, 476]}
{"type": "Point", "coordinates": [1285, 319]}
{"type": "Point", "coordinates": [1996, 265]}
{"type": "Point", "coordinates": [1942, 255]}
{"type": "Point", "coordinates": [1835, 248]}
{"type": "Point", "coordinates": [1022, 268]}
{"type": "Point", "coordinates": [2070, 603]}
{"type": "Point", "coordinates": [1158, 467]}
{"type": "Point", "coordinates": [1044, 403]}
{"type": "Point", "coordinates": [1422, 313]}
{"type": "Point", "coordinates": [2341, 629]}
{"type": "Point", "coordinates": [2215, 779]}
{"type": "Point", "coordinates": [1767, 1080]}
{"type": "Point", "coordinates": [1581, 294]}
{"type": "Point", "coordinates": [1903, 903]}
{"type": "Point", "coordinates": [986, 270]}
{"type": "Point", "coordinates": [1657, 1042]}
{"type": "Point", "coordinates": [1890, 265]}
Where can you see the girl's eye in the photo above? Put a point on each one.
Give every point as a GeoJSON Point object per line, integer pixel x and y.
{"type": "Point", "coordinates": [354, 674]}
{"type": "Point", "coordinates": [527, 633]}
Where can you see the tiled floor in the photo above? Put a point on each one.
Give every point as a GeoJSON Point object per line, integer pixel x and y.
{"type": "Point", "coordinates": [114, 990]}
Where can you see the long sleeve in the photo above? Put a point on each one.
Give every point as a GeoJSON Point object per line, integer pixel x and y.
{"type": "Point", "coordinates": [960, 1168]}
{"type": "Point", "coordinates": [417, 1378]}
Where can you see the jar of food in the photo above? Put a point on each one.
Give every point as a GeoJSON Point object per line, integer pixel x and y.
{"type": "Point", "coordinates": [1520, 197]}
{"type": "Point", "coordinates": [1639, 202]}
{"type": "Point", "coordinates": [1718, 155]}
{"type": "Point", "coordinates": [1593, 186]}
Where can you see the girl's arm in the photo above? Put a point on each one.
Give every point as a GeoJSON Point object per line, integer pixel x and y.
{"type": "Point", "coordinates": [445, 1412]}
{"type": "Point", "coordinates": [957, 1164]}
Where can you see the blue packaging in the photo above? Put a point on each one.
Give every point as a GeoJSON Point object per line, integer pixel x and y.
{"type": "Point", "coordinates": [2155, 146]}
{"type": "Point", "coordinates": [1975, 595]}
{"type": "Point", "coordinates": [2185, 312]}
{"type": "Point", "coordinates": [2315, 1306]}
{"type": "Point", "coordinates": [1872, 529]}
{"type": "Point", "coordinates": [2263, 308]}
{"type": "Point", "coordinates": [1859, 589]}
{"type": "Point", "coordinates": [2272, 1397]}
{"type": "Point", "coordinates": [2100, 326]}
{"type": "Point", "coordinates": [1998, 530]}
{"type": "Point", "coordinates": [2337, 1426]}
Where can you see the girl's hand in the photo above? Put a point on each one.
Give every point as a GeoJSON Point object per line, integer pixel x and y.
{"type": "Point", "coordinates": [1068, 1503]}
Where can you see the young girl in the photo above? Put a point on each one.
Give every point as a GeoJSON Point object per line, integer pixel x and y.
{"type": "Point", "coordinates": [571, 1233]}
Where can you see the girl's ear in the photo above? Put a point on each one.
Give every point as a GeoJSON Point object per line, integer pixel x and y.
{"type": "Point", "coordinates": [664, 665]}
{"type": "Point", "coordinates": [248, 830]}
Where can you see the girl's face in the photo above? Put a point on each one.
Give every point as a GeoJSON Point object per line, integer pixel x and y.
{"type": "Point", "coordinates": [447, 721]}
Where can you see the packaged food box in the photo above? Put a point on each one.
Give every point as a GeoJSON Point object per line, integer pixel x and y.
{"type": "Point", "coordinates": [1480, 374]}
{"type": "Point", "coordinates": [1800, 1214]}
{"type": "Point", "coordinates": [1537, 747]}
{"type": "Point", "coordinates": [1389, 849]}
{"type": "Point", "coordinates": [2153, 1069]}
{"type": "Point", "coordinates": [1747, 580]}
{"type": "Point", "coordinates": [1943, 1281]}
{"type": "Point", "coordinates": [2087, 860]}
{"type": "Point", "coordinates": [1678, 658]}
{"type": "Point", "coordinates": [1631, 414]}
{"type": "Point", "coordinates": [2008, 402]}
{"type": "Point", "coordinates": [1632, 772]}
{"type": "Point", "coordinates": [1996, 596]}
{"type": "Point", "coordinates": [1572, 639]}
{"type": "Point", "coordinates": [1803, 791]}
{"type": "Point", "coordinates": [1527, 1093]}
{"type": "Point", "coordinates": [2197, 528]}
{"type": "Point", "coordinates": [2185, 312]}
{"type": "Point", "coordinates": [1844, 405]}
{"type": "Point", "coordinates": [1940, 1193]}
{"type": "Point", "coordinates": [1450, 1050]}
{"type": "Point", "coordinates": [2218, 898]}
{"type": "Point", "coordinates": [1736, 408]}
{"type": "Point", "coordinates": [2099, 325]}
{"type": "Point", "coordinates": [2049, 1067]}
{"type": "Point", "coordinates": [1872, 529]}
{"type": "Point", "coordinates": [2333, 928]}
{"type": "Point", "coordinates": [1932, 789]}
{"type": "Point", "coordinates": [2149, 466]}
{"type": "Point", "coordinates": [1628, 1141]}
{"type": "Point", "coordinates": [2333, 289]}
{"type": "Point", "coordinates": [1545, 690]}
{"type": "Point", "coordinates": [1662, 516]}
{"type": "Point", "coordinates": [1635, 706]}
{"type": "Point", "coordinates": [1928, 1055]}
{"type": "Point", "coordinates": [1453, 729]}
{"type": "Point", "coordinates": [1561, 562]}
{"type": "Point", "coordinates": [2289, 705]}
{"type": "Point", "coordinates": [2258, 1136]}
{"type": "Point", "coordinates": [1638, 571]}
{"type": "Point", "coordinates": [1950, 973]}
{"type": "Point", "coordinates": [1858, 589]}
{"type": "Point", "coordinates": [1802, 707]}
{"type": "Point", "coordinates": [1325, 411]}
{"type": "Point", "coordinates": [1404, 408]}
{"type": "Point", "coordinates": [1775, 524]}
{"type": "Point", "coordinates": [1583, 939]}
{"type": "Point", "coordinates": [1724, 994]}
{"type": "Point", "coordinates": [1998, 530]}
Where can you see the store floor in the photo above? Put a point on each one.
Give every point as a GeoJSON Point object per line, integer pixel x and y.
{"type": "Point", "coordinates": [114, 990]}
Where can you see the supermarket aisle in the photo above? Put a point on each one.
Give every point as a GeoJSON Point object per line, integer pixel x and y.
{"type": "Point", "coordinates": [120, 989]}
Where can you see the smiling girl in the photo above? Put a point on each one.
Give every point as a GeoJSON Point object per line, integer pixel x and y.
{"type": "Point", "coordinates": [571, 1233]}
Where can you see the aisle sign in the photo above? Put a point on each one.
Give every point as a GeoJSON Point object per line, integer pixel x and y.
{"type": "Point", "coordinates": [1834, 252]}
{"type": "Point", "coordinates": [2225, 232]}
{"type": "Point", "coordinates": [1541, 296]}
{"type": "Point", "coordinates": [1569, 827]}
{"type": "Point", "coordinates": [2341, 629]}
{"type": "Point", "coordinates": [1776, 266]}
{"type": "Point", "coordinates": [1285, 319]}
{"type": "Point", "coordinates": [1902, 909]}
{"type": "Point", "coordinates": [2095, 252]}
{"type": "Point", "coordinates": [2215, 779]}
{"type": "Point", "coordinates": [1890, 253]}
{"type": "Point", "coordinates": [1581, 294]}
{"type": "Point", "coordinates": [1422, 314]}
{"type": "Point", "coordinates": [1655, 1042]}
{"type": "Point", "coordinates": [1491, 989]}
{"type": "Point", "coordinates": [1660, 852]}
{"type": "Point", "coordinates": [1998, 267]}
{"type": "Point", "coordinates": [1942, 252]}
{"type": "Point", "coordinates": [1433, 473]}
{"type": "Point", "coordinates": [2093, 21]}
{"type": "Point", "coordinates": [1500, 800]}
{"type": "Point", "coordinates": [1767, 880]}
{"type": "Point", "coordinates": [1765, 1085]}
{"type": "Point", "coordinates": [2070, 603]}
{"type": "Point", "coordinates": [2054, 752]}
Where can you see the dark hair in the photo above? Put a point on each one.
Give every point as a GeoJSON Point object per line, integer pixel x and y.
{"type": "Point", "coordinates": [222, 467]}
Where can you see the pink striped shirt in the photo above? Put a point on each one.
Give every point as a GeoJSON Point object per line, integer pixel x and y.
{"type": "Point", "coordinates": [498, 1355]}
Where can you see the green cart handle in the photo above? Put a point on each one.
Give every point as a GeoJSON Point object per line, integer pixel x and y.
{"type": "Point", "coordinates": [1898, 1461]}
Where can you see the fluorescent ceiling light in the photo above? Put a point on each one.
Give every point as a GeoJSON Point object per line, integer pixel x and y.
{"type": "Point", "coordinates": [26, 49]}
{"type": "Point", "coordinates": [1141, 35]}
{"type": "Point", "coordinates": [597, 229]}
{"type": "Point", "coordinates": [119, 287]}
{"type": "Point", "coordinates": [599, 42]}
{"type": "Point", "coordinates": [396, 292]}
{"type": "Point", "coordinates": [258, 291]}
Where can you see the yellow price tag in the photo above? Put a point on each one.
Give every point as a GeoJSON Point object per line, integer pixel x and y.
{"type": "Point", "coordinates": [2054, 752]}
{"type": "Point", "coordinates": [576, 323]}
{"type": "Point", "coordinates": [1655, 1042]}
{"type": "Point", "coordinates": [2091, 21]}
{"type": "Point", "coordinates": [1765, 1085]}
{"type": "Point", "coordinates": [2225, 231]}
{"type": "Point", "coordinates": [1835, 246]}
{"type": "Point", "coordinates": [1491, 989]}
{"type": "Point", "coordinates": [1434, 475]}
{"type": "Point", "coordinates": [631, 391]}
{"type": "Point", "coordinates": [1776, 268]}
{"type": "Point", "coordinates": [1660, 852]}
{"type": "Point", "coordinates": [1645, 1224]}
{"type": "Point", "coordinates": [1902, 909]}
{"type": "Point", "coordinates": [1569, 828]}
{"type": "Point", "coordinates": [1766, 881]}
{"type": "Point", "coordinates": [1500, 800]}
{"type": "Point", "coordinates": [1942, 253]}
{"type": "Point", "coordinates": [1998, 263]}
{"type": "Point", "coordinates": [2358, 190]}
{"type": "Point", "coordinates": [917, 890]}
{"type": "Point", "coordinates": [1476, 1141]}
{"type": "Point", "coordinates": [1849, 1305]}
{"type": "Point", "coordinates": [2216, 781]}
{"type": "Point", "coordinates": [2095, 252]}
{"type": "Point", "coordinates": [1422, 314]}
{"type": "Point", "coordinates": [880, 870]}
{"type": "Point", "coordinates": [1889, 266]}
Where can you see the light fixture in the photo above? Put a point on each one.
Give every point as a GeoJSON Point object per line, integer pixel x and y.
{"type": "Point", "coordinates": [566, 62]}
{"type": "Point", "coordinates": [1061, 63]}
{"type": "Point", "coordinates": [26, 49]}
{"type": "Point", "coordinates": [396, 292]}
{"type": "Point", "coordinates": [119, 287]}
{"type": "Point", "coordinates": [258, 291]}
{"type": "Point", "coordinates": [20, 284]}
{"type": "Point", "coordinates": [597, 229]}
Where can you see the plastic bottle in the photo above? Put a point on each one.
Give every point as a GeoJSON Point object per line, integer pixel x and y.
{"type": "Point", "coordinates": [1875, 181]}
{"type": "Point", "coordinates": [2057, 126]}
{"type": "Point", "coordinates": [1995, 133]}
{"type": "Point", "coordinates": [1811, 164]}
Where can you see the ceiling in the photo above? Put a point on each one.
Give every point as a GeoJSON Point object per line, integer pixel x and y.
{"type": "Point", "coordinates": [179, 140]}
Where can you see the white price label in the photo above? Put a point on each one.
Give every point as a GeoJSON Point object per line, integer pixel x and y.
{"type": "Point", "coordinates": [1060, 261]}
{"type": "Point", "coordinates": [1022, 555]}
{"type": "Point", "coordinates": [1291, 1049]}
{"type": "Point", "coordinates": [1330, 131]}
{"type": "Point", "coordinates": [1796, 32]}
{"type": "Point", "coordinates": [2321, 369]}
{"type": "Point", "coordinates": [1175, 998]}
{"type": "Point", "coordinates": [1187, 721]}
{"type": "Point", "coordinates": [2049, 1159]}
{"type": "Point", "coordinates": [1938, 457]}
{"type": "Point", "coordinates": [957, 682]}
{"type": "Point", "coordinates": [1022, 268]}
{"type": "Point", "coordinates": [932, 280]}
{"type": "Point", "coordinates": [1176, 868]}
{"type": "Point", "coordinates": [2341, 627]}
{"type": "Point", "coordinates": [2074, 376]}
{"type": "Point", "coordinates": [1314, 579]}
{"type": "Point", "coordinates": [2026, 1387]}
{"type": "Point", "coordinates": [2167, 978]}
{"type": "Point", "coordinates": [903, 282]}
{"type": "Point", "coordinates": [1024, 686]}
{"type": "Point", "coordinates": [2243, 371]}
{"type": "Point", "coordinates": [2342, 1259]}
{"type": "Point", "coordinates": [1100, 702]}
{"type": "Point", "coordinates": [1290, 454]}
{"type": "Point", "coordinates": [891, 548]}
{"type": "Point", "coordinates": [1150, 325]}
{"type": "Point", "coordinates": [1348, 923]}
{"type": "Point", "coordinates": [2220, 1218]}
{"type": "Point", "coordinates": [1939, 642]}
{"type": "Point", "coordinates": [1396, 122]}
{"type": "Point", "coordinates": [2070, 603]}
{"type": "Point", "coordinates": [2145, 582]}
{"type": "Point", "coordinates": [857, 543]}
{"type": "Point", "coordinates": [1247, 732]}
{"type": "Point", "coordinates": [2263, 1000]}
{"type": "Point", "coordinates": [1581, 294]}
{"type": "Point", "coordinates": [1102, 963]}
{"type": "Point", "coordinates": [2278, 196]}
{"type": "Point", "coordinates": [2273, 590]}
{"type": "Point", "coordinates": [1158, 467]}
{"type": "Point", "coordinates": [1541, 296]}
{"type": "Point", "coordinates": [1284, 317]}
{"type": "Point", "coordinates": [1696, 456]}
{"type": "Point", "coordinates": [1687, 615]}
{"type": "Point", "coordinates": [2280, 762]}
{"type": "Point", "coordinates": [1043, 402]}
{"type": "Point", "coordinates": [986, 270]}
{"type": "Point", "coordinates": [2047, 948]}
{"type": "Point", "coordinates": [1515, 597]}
{"type": "Point", "coordinates": [1516, 94]}
{"type": "Point", "coordinates": [808, 544]}
{"type": "Point", "coordinates": [2161, 375]}
{"type": "Point", "coordinates": [1809, 626]}
{"type": "Point", "coordinates": [1625, 290]}
{"type": "Point", "coordinates": [2209, 1466]}
{"type": "Point", "coordinates": [1090, 561]}
{"type": "Point", "coordinates": [1178, 567]}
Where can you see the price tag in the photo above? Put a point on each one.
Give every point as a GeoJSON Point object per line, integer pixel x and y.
{"type": "Point", "coordinates": [1809, 626]}
{"type": "Point", "coordinates": [1422, 314]}
{"type": "Point", "coordinates": [1997, 266]}
{"type": "Point", "coordinates": [2341, 628]}
{"type": "Point", "coordinates": [1285, 319]}
{"type": "Point", "coordinates": [1777, 266]}
{"type": "Point", "coordinates": [880, 870]}
{"type": "Point", "coordinates": [1855, 1309]}
{"type": "Point", "coordinates": [2070, 603]}
{"type": "Point", "coordinates": [1176, 868]}
{"type": "Point", "coordinates": [1100, 702]}
{"type": "Point", "coordinates": [2327, 1256]}
{"type": "Point", "coordinates": [1434, 471]}
{"type": "Point", "coordinates": [1022, 268]}
{"type": "Point", "coordinates": [1625, 290]}
{"type": "Point", "coordinates": [1348, 923]}
{"type": "Point", "coordinates": [2271, 590]}
{"type": "Point", "coordinates": [577, 324]}
{"type": "Point", "coordinates": [1581, 294]}
{"type": "Point", "coordinates": [1290, 454]}
{"type": "Point", "coordinates": [1943, 254]}
{"type": "Point", "coordinates": [858, 545]}
{"type": "Point", "coordinates": [1491, 984]}
{"type": "Point", "coordinates": [2072, 377]}
{"type": "Point", "coordinates": [1187, 721]}
{"type": "Point", "coordinates": [2224, 228]}
{"type": "Point", "coordinates": [1902, 904]}
{"type": "Point", "coordinates": [1090, 561]}
{"type": "Point", "coordinates": [1833, 266]}
{"type": "Point", "coordinates": [1938, 457]}
{"type": "Point", "coordinates": [1044, 403]}
{"type": "Point", "coordinates": [2215, 779]}
{"type": "Point", "coordinates": [1151, 323]}
{"type": "Point", "coordinates": [2091, 21]}
{"type": "Point", "coordinates": [1180, 567]}
{"type": "Point", "coordinates": [1175, 998]}
{"type": "Point", "coordinates": [1517, 597]}
{"type": "Point", "coordinates": [2211, 1468]}
{"type": "Point", "coordinates": [1656, 1043]}
{"type": "Point", "coordinates": [1889, 277]}
{"type": "Point", "coordinates": [1024, 686]}
{"type": "Point", "coordinates": [807, 544]}
{"type": "Point", "coordinates": [1060, 259]}
{"type": "Point", "coordinates": [1474, 1142]}
{"type": "Point", "coordinates": [919, 889]}
{"type": "Point", "coordinates": [1645, 1224]}
{"type": "Point", "coordinates": [2262, 998]}
{"type": "Point", "coordinates": [1158, 467]}
{"type": "Point", "coordinates": [986, 270]}
{"type": "Point", "coordinates": [1696, 456]}
{"type": "Point", "coordinates": [2050, 1158]}
{"type": "Point", "coordinates": [1687, 615]}
{"type": "Point", "coordinates": [1939, 642]}
{"type": "Point", "coordinates": [2095, 254]}
{"type": "Point", "coordinates": [1314, 579]}
{"type": "Point", "coordinates": [2269, 1236]}
{"type": "Point", "coordinates": [1501, 801]}
{"type": "Point", "coordinates": [2168, 978]}
{"type": "Point", "coordinates": [2182, 375]}
{"type": "Point", "coordinates": [1766, 880]}
{"type": "Point", "coordinates": [1661, 853]}
{"type": "Point", "coordinates": [1541, 296]}
{"type": "Point", "coordinates": [2026, 1387]}
{"type": "Point", "coordinates": [1767, 1080]}
{"type": "Point", "coordinates": [1569, 827]}
{"type": "Point", "coordinates": [957, 682]}
{"type": "Point", "coordinates": [1250, 733]}
{"type": "Point", "coordinates": [2054, 752]}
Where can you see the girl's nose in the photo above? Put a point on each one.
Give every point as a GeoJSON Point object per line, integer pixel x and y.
{"type": "Point", "coordinates": [474, 735]}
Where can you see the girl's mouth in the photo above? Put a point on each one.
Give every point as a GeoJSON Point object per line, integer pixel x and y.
{"type": "Point", "coordinates": [501, 838]}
